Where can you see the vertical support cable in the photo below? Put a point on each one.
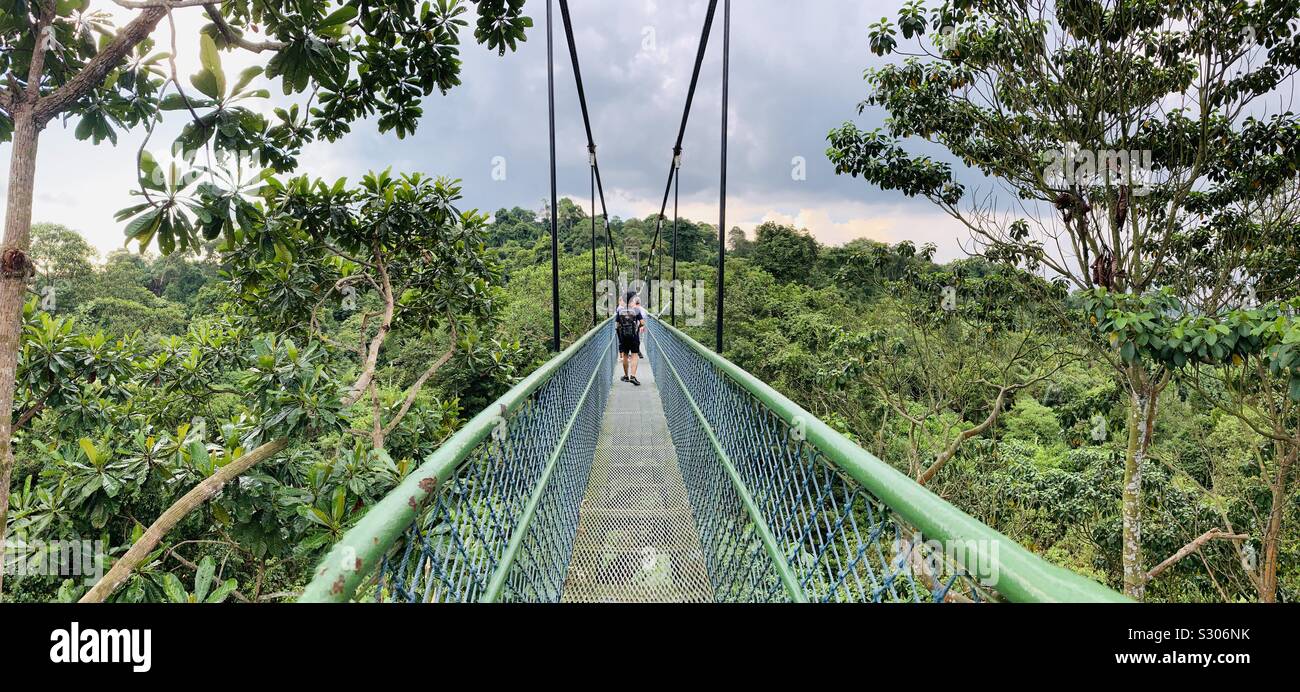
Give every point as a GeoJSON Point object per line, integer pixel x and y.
{"type": "Point", "coordinates": [567, 18]}
{"type": "Point", "coordinates": [677, 197]}
{"type": "Point", "coordinates": [722, 215]}
{"type": "Point", "coordinates": [555, 218]}
{"type": "Point", "coordinates": [686, 114]}
{"type": "Point", "coordinates": [659, 283]}
{"type": "Point", "coordinates": [654, 250]}
{"type": "Point", "coordinates": [595, 319]}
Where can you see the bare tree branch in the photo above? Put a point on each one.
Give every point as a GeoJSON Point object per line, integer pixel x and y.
{"type": "Point", "coordinates": [95, 71]}
{"type": "Point", "coordinates": [385, 326]}
{"type": "Point", "coordinates": [1195, 545]}
{"type": "Point", "coordinates": [947, 454]}
{"type": "Point", "coordinates": [419, 384]}
{"type": "Point", "coordinates": [197, 495]}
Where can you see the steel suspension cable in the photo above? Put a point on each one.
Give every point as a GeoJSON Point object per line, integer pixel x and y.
{"type": "Point", "coordinates": [659, 280]}
{"type": "Point", "coordinates": [686, 115]}
{"type": "Point", "coordinates": [677, 198]}
{"type": "Point", "coordinates": [567, 19]}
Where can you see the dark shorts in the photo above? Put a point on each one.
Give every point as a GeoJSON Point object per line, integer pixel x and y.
{"type": "Point", "coordinates": [629, 344]}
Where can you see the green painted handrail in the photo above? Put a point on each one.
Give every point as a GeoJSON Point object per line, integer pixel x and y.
{"type": "Point", "coordinates": [1013, 571]}
{"type": "Point", "coordinates": [362, 548]}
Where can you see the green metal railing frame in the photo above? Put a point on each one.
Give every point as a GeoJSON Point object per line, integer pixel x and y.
{"type": "Point", "coordinates": [1016, 573]}
{"type": "Point", "coordinates": [788, 579]}
{"type": "Point", "coordinates": [497, 583]}
{"type": "Point", "coordinates": [361, 550]}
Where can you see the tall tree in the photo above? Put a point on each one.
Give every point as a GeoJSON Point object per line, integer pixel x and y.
{"type": "Point", "coordinates": [59, 252]}
{"type": "Point", "coordinates": [785, 252]}
{"type": "Point", "coordinates": [1118, 127]}
{"type": "Point", "coordinates": [738, 243]}
{"type": "Point", "coordinates": [397, 243]}
{"type": "Point", "coordinates": [397, 250]}
{"type": "Point", "coordinates": [696, 242]}
{"type": "Point", "coordinates": [341, 61]}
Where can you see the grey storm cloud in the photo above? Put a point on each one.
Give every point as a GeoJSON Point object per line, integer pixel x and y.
{"type": "Point", "coordinates": [796, 73]}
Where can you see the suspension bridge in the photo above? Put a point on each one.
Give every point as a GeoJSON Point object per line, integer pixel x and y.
{"type": "Point", "coordinates": [703, 485]}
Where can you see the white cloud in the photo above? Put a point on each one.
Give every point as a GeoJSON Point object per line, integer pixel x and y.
{"type": "Point", "coordinates": [832, 224]}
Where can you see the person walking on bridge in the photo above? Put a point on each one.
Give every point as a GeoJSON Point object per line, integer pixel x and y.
{"type": "Point", "coordinates": [629, 322]}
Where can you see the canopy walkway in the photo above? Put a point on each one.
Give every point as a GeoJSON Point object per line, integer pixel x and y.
{"type": "Point", "coordinates": [704, 485]}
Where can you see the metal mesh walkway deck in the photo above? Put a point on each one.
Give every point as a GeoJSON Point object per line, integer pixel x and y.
{"type": "Point", "coordinates": [636, 539]}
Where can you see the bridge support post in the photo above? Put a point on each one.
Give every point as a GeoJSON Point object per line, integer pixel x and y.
{"type": "Point", "coordinates": [677, 197]}
{"type": "Point", "coordinates": [722, 214]}
{"type": "Point", "coordinates": [555, 218]}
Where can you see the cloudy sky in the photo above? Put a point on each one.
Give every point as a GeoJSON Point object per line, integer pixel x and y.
{"type": "Point", "coordinates": [796, 73]}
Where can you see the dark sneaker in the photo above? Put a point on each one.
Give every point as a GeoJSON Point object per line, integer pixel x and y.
{"type": "Point", "coordinates": [625, 379]}
{"type": "Point", "coordinates": [635, 381]}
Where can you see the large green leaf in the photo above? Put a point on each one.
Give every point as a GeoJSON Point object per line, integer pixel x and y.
{"type": "Point", "coordinates": [203, 577]}
{"type": "Point", "coordinates": [245, 78]}
{"type": "Point", "coordinates": [143, 228]}
{"type": "Point", "coordinates": [178, 102]}
{"type": "Point", "coordinates": [151, 176]}
{"type": "Point", "coordinates": [339, 17]}
{"type": "Point", "coordinates": [219, 594]}
{"type": "Point", "coordinates": [211, 80]}
{"type": "Point", "coordinates": [175, 591]}
{"type": "Point", "coordinates": [88, 447]}
{"type": "Point", "coordinates": [199, 456]}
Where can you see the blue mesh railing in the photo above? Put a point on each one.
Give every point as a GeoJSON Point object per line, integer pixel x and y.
{"type": "Point", "coordinates": [790, 510]}
{"type": "Point", "coordinates": [491, 515]}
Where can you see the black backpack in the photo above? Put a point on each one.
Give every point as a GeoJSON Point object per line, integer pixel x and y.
{"type": "Point", "coordinates": [628, 322]}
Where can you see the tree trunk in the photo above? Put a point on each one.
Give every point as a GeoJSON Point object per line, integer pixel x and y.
{"type": "Point", "coordinates": [192, 500]}
{"type": "Point", "coordinates": [1273, 533]}
{"type": "Point", "coordinates": [14, 271]}
{"type": "Point", "coordinates": [1141, 429]}
{"type": "Point", "coordinates": [30, 112]}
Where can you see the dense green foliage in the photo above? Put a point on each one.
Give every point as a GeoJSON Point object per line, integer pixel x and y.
{"type": "Point", "coordinates": [336, 63]}
{"type": "Point", "coordinates": [1134, 407]}
{"type": "Point", "coordinates": [863, 340]}
{"type": "Point", "coordinates": [905, 379]}
{"type": "Point", "coordinates": [1143, 155]}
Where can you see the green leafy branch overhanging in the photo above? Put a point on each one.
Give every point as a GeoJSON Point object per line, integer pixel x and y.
{"type": "Point", "coordinates": [1156, 329]}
